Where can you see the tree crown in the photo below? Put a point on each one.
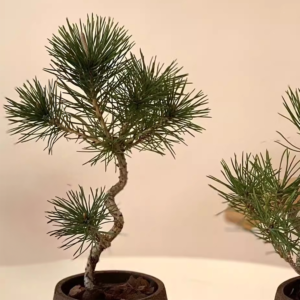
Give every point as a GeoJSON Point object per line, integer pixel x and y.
{"type": "Point", "coordinates": [107, 96]}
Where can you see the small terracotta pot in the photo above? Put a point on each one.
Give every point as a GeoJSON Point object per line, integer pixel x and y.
{"type": "Point", "coordinates": [285, 290]}
{"type": "Point", "coordinates": [63, 287]}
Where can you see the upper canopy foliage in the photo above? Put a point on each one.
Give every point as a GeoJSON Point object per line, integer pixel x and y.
{"type": "Point", "coordinates": [105, 95]}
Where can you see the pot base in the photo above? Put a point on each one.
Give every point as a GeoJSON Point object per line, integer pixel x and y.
{"type": "Point", "coordinates": [110, 277]}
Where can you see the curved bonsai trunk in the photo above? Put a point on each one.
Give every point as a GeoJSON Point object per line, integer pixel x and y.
{"type": "Point", "coordinates": [106, 239]}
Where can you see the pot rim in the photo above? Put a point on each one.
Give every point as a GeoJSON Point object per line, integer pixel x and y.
{"type": "Point", "coordinates": [160, 284]}
{"type": "Point", "coordinates": [281, 287]}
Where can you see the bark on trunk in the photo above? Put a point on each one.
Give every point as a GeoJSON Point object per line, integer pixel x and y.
{"type": "Point", "coordinates": [293, 264]}
{"type": "Point", "coordinates": [89, 279]}
{"type": "Point", "coordinates": [106, 239]}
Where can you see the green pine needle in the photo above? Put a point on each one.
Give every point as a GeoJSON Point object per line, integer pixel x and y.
{"type": "Point", "coordinates": [293, 110]}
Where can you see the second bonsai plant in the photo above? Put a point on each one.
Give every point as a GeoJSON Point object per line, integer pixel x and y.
{"type": "Point", "coordinates": [113, 101]}
{"type": "Point", "coordinates": [268, 197]}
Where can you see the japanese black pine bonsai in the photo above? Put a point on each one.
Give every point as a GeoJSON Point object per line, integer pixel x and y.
{"type": "Point", "coordinates": [112, 101]}
{"type": "Point", "coordinates": [268, 196]}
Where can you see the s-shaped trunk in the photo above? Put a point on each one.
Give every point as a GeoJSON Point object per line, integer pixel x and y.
{"type": "Point", "coordinates": [105, 240]}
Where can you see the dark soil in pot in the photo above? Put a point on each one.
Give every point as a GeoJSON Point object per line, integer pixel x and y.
{"type": "Point", "coordinates": [115, 285]}
{"type": "Point", "coordinates": [289, 289]}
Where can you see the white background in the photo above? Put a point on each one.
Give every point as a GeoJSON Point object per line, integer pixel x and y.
{"type": "Point", "coordinates": [243, 54]}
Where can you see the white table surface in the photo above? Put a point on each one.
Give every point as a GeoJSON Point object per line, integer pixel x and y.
{"type": "Point", "coordinates": [184, 278]}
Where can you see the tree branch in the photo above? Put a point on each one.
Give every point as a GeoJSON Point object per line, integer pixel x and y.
{"type": "Point", "coordinates": [100, 118]}
{"type": "Point", "coordinates": [146, 133]}
{"type": "Point", "coordinates": [81, 135]}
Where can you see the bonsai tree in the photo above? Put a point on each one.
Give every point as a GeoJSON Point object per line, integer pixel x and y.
{"type": "Point", "coordinates": [112, 101]}
{"type": "Point", "coordinates": [268, 195]}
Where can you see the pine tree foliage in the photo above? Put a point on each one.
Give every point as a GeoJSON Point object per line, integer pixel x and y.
{"type": "Point", "coordinates": [266, 196]}
{"type": "Point", "coordinates": [111, 100]}
{"type": "Point", "coordinates": [79, 218]}
{"type": "Point", "coordinates": [107, 96]}
{"type": "Point", "coordinates": [293, 110]}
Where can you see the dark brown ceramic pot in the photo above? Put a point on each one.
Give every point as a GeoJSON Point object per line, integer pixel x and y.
{"type": "Point", "coordinates": [109, 277]}
{"type": "Point", "coordinates": [289, 289]}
